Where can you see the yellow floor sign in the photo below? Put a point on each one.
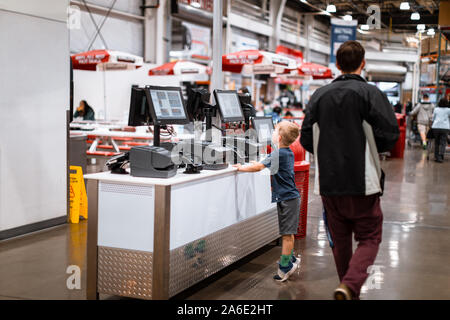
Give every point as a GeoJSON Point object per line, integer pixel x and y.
{"type": "Point", "coordinates": [78, 197]}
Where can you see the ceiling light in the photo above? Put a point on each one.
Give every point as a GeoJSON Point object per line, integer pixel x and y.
{"type": "Point", "coordinates": [331, 8]}
{"type": "Point", "coordinates": [348, 17]}
{"type": "Point", "coordinates": [415, 16]}
{"type": "Point", "coordinates": [365, 27]}
{"type": "Point", "coordinates": [421, 27]}
{"type": "Point", "coordinates": [304, 1]}
{"type": "Point", "coordinates": [430, 32]}
{"type": "Point", "coordinates": [404, 6]}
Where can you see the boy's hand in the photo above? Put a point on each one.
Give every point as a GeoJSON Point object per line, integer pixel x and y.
{"type": "Point", "coordinates": [237, 166]}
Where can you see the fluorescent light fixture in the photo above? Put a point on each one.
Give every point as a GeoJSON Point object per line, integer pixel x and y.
{"type": "Point", "coordinates": [348, 17]}
{"type": "Point", "coordinates": [404, 6]}
{"type": "Point", "coordinates": [365, 27]}
{"type": "Point", "coordinates": [331, 8]}
{"type": "Point", "coordinates": [304, 1]}
{"type": "Point", "coordinates": [430, 32]}
{"type": "Point", "coordinates": [195, 4]}
{"type": "Point", "coordinates": [415, 16]}
{"type": "Point", "coordinates": [421, 27]}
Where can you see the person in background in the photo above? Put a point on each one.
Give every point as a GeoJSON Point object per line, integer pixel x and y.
{"type": "Point", "coordinates": [244, 90]}
{"type": "Point", "coordinates": [347, 124]}
{"type": "Point", "coordinates": [408, 107]}
{"type": "Point", "coordinates": [441, 127]}
{"type": "Point", "coordinates": [288, 115]}
{"type": "Point", "coordinates": [424, 112]}
{"type": "Point", "coordinates": [398, 107]}
{"type": "Point", "coordinates": [284, 193]}
{"type": "Point", "coordinates": [276, 114]}
{"type": "Point", "coordinates": [85, 110]}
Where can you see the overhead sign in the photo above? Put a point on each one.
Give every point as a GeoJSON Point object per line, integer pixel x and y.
{"type": "Point", "coordinates": [200, 41]}
{"type": "Point", "coordinates": [207, 5]}
{"type": "Point", "coordinates": [341, 31]}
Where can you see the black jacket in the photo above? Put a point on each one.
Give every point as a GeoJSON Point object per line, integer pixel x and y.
{"type": "Point", "coordinates": [347, 124]}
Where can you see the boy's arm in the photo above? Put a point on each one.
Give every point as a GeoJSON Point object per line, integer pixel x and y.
{"type": "Point", "coordinates": [254, 167]}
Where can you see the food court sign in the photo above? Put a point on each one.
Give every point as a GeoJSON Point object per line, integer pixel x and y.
{"type": "Point", "coordinates": [341, 31]}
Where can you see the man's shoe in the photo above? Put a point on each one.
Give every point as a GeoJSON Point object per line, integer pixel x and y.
{"type": "Point", "coordinates": [342, 293]}
{"type": "Point", "coordinates": [285, 272]}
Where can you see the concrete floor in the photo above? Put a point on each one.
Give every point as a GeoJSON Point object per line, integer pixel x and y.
{"type": "Point", "coordinates": [414, 257]}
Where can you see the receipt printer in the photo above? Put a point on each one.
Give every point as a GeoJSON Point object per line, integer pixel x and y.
{"type": "Point", "coordinates": [151, 162]}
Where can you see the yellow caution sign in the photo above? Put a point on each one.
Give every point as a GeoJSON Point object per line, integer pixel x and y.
{"type": "Point", "coordinates": [78, 196]}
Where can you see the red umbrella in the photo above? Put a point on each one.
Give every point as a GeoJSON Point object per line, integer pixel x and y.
{"type": "Point", "coordinates": [256, 61]}
{"type": "Point", "coordinates": [179, 67]}
{"type": "Point", "coordinates": [105, 60]}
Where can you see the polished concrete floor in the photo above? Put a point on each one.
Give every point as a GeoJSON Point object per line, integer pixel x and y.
{"type": "Point", "coordinates": [413, 261]}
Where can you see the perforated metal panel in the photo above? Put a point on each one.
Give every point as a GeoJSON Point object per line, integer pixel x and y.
{"type": "Point", "coordinates": [126, 273]}
{"type": "Point", "coordinates": [127, 189]}
{"type": "Point", "coordinates": [200, 259]}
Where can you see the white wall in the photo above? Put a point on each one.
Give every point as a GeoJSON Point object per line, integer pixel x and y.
{"type": "Point", "coordinates": [88, 85]}
{"type": "Point", "coordinates": [34, 97]}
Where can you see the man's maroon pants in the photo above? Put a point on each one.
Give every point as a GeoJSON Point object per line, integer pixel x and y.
{"type": "Point", "coordinates": [362, 216]}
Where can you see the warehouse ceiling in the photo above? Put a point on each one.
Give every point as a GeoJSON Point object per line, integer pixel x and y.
{"type": "Point", "coordinates": [392, 17]}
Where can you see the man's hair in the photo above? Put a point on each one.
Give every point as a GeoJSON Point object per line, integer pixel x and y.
{"type": "Point", "coordinates": [425, 96]}
{"type": "Point", "coordinates": [289, 132]}
{"type": "Point", "coordinates": [350, 56]}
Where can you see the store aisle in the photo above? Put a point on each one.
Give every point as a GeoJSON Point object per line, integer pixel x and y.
{"type": "Point", "coordinates": [413, 257]}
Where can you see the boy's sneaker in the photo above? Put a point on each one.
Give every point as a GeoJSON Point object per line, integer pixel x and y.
{"type": "Point", "coordinates": [285, 272]}
{"type": "Point", "coordinates": [295, 260]}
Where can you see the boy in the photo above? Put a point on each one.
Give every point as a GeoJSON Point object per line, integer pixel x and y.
{"type": "Point", "coordinates": [284, 193]}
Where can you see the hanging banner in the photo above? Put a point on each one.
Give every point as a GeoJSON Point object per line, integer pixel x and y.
{"type": "Point", "coordinates": [341, 31]}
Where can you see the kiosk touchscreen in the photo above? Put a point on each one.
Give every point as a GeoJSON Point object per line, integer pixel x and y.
{"type": "Point", "coordinates": [139, 110]}
{"type": "Point", "coordinates": [166, 105]}
{"type": "Point", "coordinates": [264, 128]}
{"type": "Point", "coordinates": [229, 105]}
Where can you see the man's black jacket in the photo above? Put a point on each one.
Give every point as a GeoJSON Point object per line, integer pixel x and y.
{"type": "Point", "coordinates": [347, 124]}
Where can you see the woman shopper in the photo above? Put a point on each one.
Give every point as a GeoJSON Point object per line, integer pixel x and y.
{"type": "Point", "coordinates": [441, 127]}
{"type": "Point", "coordinates": [85, 111]}
{"type": "Point", "coordinates": [424, 112]}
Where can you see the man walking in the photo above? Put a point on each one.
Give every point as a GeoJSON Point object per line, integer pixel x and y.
{"type": "Point", "coordinates": [347, 124]}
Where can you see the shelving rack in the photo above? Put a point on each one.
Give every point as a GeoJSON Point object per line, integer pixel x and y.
{"type": "Point", "coordinates": [441, 84]}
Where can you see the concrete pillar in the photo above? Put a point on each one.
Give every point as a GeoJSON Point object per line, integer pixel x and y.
{"type": "Point", "coordinates": [309, 24]}
{"type": "Point", "coordinates": [155, 30]}
{"type": "Point", "coordinates": [276, 13]}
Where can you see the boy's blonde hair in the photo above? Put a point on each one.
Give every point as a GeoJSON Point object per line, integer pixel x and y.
{"type": "Point", "coordinates": [288, 131]}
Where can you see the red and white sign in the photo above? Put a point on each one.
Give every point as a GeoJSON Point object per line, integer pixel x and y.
{"type": "Point", "coordinates": [256, 62]}
{"type": "Point", "coordinates": [297, 55]}
{"type": "Point", "coordinates": [179, 67]}
{"type": "Point", "coordinates": [317, 71]}
{"type": "Point", "coordinates": [105, 60]}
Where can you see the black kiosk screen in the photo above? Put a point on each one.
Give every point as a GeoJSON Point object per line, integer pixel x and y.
{"type": "Point", "coordinates": [229, 105]}
{"type": "Point", "coordinates": [168, 104]}
{"type": "Point", "coordinates": [264, 128]}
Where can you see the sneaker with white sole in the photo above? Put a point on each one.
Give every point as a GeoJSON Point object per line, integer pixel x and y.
{"type": "Point", "coordinates": [285, 272]}
{"type": "Point", "coordinates": [295, 260]}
